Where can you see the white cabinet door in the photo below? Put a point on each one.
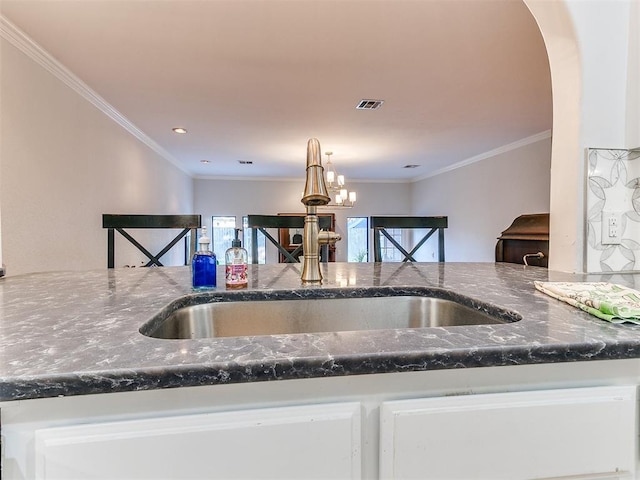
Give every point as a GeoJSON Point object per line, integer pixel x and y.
{"type": "Point", "coordinates": [524, 435]}
{"type": "Point", "coordinates": [315, 441]}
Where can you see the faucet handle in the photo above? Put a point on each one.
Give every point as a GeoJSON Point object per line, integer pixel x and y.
{"type": "Point", "coordinates": [325, 237]}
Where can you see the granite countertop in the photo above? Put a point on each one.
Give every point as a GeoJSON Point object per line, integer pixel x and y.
{"type": "Point", "coordinates": [74, 333]}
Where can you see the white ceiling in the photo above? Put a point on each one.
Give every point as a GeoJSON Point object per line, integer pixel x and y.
{"type": "Point", "coordinates": [252, 80]}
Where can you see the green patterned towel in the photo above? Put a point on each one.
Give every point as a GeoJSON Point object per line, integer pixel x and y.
{"type": "Point", "coordinates": [614, 303]}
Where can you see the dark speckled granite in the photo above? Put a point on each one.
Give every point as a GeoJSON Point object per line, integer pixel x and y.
{"type": "Point", "coordinates": [72, 333]}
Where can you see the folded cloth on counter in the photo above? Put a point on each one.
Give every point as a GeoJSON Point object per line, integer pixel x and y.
{"type": "Point", "coordinates": [608, 301]}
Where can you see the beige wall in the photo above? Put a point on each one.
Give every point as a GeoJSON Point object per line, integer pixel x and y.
{"type": "Point", "coordinates": [482, 199]}
{"type": "Point", "coordinates": [63, 164]}
{"type": "Point", "coordinates": [244, 197]}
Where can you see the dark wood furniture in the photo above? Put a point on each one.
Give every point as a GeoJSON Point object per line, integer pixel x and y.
{"type": "Point", "coordinates": [527, 235]}
{"type": "Point", "coordinates": [291, 237]}
{"type": "Point", "coordinates": [284, 222]}
{"type": "Point", "coordinates": [117, 223]}
{"type": "Point", "coordinates": [434, 224]}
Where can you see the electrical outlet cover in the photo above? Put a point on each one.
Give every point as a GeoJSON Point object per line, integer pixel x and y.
{"type": "Point", "coordinates": [611, 228]}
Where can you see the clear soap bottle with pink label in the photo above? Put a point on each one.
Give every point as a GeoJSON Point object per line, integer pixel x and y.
{"type": "Point", "coordinates": [236, 264]}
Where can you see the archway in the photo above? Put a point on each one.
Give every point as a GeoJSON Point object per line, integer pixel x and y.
{"type": "Point", "coordinates": [567, 172]}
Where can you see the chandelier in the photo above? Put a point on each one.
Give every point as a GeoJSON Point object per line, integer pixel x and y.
{"type": "Point", "coordinates": [336, 185]}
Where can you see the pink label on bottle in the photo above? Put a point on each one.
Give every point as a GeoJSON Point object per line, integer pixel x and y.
{"type": "Point", "coordinates": [236, 274]}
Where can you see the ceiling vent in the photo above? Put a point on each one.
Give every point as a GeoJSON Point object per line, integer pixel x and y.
{"type": "Point", "coordinates": [411, 166]}
{"type": "Point", "coordinates": [369, 104]}
{"type": "Point", "coordinates": [245, 162]}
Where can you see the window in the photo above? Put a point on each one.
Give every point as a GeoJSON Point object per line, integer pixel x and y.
{"type": "Point", "coordinates": [357, 239]}
{"type": "Point", "coordinates": [246, 242]}
{"type": "Point", "coordinates": [222, 232]}
{"type": "Point", "coordinates": [388, 250]}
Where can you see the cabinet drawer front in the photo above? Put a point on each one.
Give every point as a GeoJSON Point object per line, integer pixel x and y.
{"type": "Point", "coordinates": [315, 441]}
{"type": "Point", "coordinates": [524, 435]}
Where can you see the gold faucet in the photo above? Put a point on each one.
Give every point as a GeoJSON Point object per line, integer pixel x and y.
{"type": "Point", "coordinates": [315, 193]}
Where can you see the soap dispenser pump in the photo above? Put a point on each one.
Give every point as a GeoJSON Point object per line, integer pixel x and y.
{"type": "Point", "coordinates": [236, 264]}
{"type": "Point", "coordinates": [203, 265]}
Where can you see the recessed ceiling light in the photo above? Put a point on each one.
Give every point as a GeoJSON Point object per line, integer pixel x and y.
{"type": "Point", "coordinates": [205, 161]}
{"type": "Point", "coordinates": [179, 130]}
{"type": "Point", "coordinates": [411, 166]}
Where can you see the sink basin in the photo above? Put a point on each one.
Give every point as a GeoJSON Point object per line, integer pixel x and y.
{"type": "Point", "coordinates": [314, 315]}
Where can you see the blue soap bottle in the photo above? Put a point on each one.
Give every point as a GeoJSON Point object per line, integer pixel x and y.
{"type": "Point", "coordinates": [203, 265]}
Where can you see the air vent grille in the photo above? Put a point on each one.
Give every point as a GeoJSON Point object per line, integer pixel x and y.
{"type": "Point", "coordinates": [245, 162]}
{"type": "Point", "coordinates": [369, 104]}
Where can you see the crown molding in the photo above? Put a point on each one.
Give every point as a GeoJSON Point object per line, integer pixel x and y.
{"type": "Point", "coordinates": [35, 52]}
{"type": "Point", "coordinates": [250, 179]}
{"type": "Point", "coordinates": [291, 179]}
{"type": "Point", "coordinates": [491, 153]}
{"type": "Point", "coordinates": [380, 180]}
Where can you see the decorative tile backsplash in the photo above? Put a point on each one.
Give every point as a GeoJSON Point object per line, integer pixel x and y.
{"type": "Point", "coordinates": [613, 211]}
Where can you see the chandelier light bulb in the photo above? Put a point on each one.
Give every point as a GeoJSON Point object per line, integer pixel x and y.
{"type": "Point", "coordinates": [336, 185]}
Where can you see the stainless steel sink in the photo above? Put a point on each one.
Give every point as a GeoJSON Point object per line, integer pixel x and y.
{"type": "Point", "coordinates": [272, 317]}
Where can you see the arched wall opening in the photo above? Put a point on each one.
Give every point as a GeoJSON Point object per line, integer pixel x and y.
{"type": "Point", "coordinates": [567, 171]}
{"type": "Point", "coordinates": [593, 60]}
